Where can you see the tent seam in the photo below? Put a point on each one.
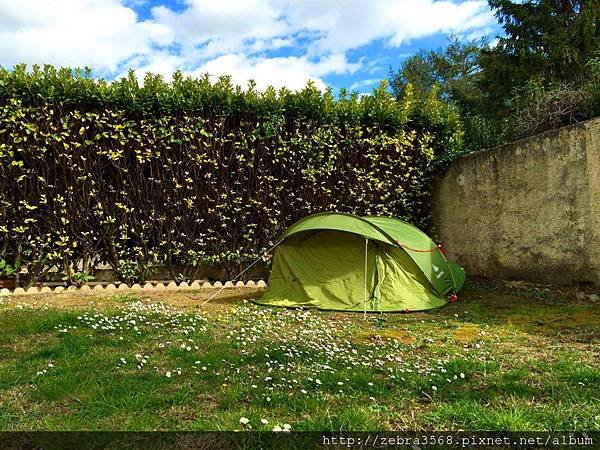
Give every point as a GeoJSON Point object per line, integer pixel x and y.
{"type": "Point", "coordinates": [392, 242]}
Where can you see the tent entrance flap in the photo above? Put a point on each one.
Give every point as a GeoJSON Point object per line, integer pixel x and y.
{"type": "Point", "coordinates": [401, 285]}
{"type": "Point", "coordinates": [324, 270]}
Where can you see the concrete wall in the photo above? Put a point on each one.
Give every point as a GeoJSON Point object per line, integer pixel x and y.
{"type": "Point", "coordinates": [528, 210]}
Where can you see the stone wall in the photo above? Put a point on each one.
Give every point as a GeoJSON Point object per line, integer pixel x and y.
{"type": "Point", "coordinates": [528, 210]}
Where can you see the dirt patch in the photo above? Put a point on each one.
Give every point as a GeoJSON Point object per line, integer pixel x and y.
{"type": "Point", "coordinates": [183, 299]}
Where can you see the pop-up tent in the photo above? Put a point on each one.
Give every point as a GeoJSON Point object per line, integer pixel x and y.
{"type": "Point", "coordinates": [344, 262]}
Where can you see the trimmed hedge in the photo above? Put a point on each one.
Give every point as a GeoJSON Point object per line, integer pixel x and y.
{"type": "Point", "coordinates": [188, 173]}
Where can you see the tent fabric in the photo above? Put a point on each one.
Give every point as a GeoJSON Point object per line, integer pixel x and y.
{"type": "Point", "coordinates": [341, 222]}
{"type": "Point", "coordinates": [320, 262]}
{"type": "Point", "coordinates": [402, 286]}
{"type": "Point", "coordinates": [421, 249]}
{"type": "Point", "coordinates": [324, 270]}
{"type": "Point", "coordinates": [459, 275]}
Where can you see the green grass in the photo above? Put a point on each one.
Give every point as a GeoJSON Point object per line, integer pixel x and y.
{"type": "Point", "coordinates": [496, 360]}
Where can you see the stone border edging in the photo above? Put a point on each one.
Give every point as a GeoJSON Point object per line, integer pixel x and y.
{"type": "Point", "coordinates": [122, 287]}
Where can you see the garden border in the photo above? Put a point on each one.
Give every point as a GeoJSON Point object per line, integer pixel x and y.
{"type": "Point", "coordinates": [122, 287]}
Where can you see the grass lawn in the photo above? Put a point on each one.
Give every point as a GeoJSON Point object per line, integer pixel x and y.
{"type": "Point", "coordinates": [501, 358]}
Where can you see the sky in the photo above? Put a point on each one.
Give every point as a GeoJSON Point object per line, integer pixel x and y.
{"type": "Point", "coordinates": [335, 43]}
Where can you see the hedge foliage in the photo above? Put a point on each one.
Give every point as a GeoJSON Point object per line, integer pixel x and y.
{"type": "Point", "coordinates": [192, 172]}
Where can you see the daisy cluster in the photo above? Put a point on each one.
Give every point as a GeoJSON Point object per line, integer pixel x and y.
{"type": "Point", "coordinates": [294, 350]}
{"type": "Point", "coordinates": [273, 355]}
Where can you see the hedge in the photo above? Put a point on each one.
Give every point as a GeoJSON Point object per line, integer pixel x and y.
{"type": "Point", "coordinates": [190, 172]}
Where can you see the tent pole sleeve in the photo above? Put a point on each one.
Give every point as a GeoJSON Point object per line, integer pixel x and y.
{"type": "Point", "coordinates": [366, 272]}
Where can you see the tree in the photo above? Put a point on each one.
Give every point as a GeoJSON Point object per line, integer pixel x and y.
{"type": "Point", "coordinates": [541, 73]}
{"type": "Point", "coordinates": [454, 69]}
{"type": "Point", "coordinates": [455, 73]}
{"type": "Point", "coordinates": [545, 40]}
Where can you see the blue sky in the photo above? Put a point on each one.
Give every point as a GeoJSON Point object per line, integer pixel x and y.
{"type": "Point", "coordinates": [337, 43]}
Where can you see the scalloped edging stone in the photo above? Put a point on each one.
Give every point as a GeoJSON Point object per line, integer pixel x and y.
{"type": "Point", "coordinates": [111, 287]}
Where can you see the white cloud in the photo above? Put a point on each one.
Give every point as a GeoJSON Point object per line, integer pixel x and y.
{"type": "Point", "coordinates": [291, 72]}
{"type": "Point", "coordinates": [348, 24]}
{"type": "Point", "coordinates": [236, 37]}
{"type": "Point", "coordinates": [364, 83]}
{"type": "Point", "coordinates": [207, 19]}
{"type": "Point", "coordinates": [441, 16]}
{"type": "Point", "coordinates": [98, 33]}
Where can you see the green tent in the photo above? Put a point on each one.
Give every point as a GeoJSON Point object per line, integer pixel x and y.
{"type": "Point", "coordinates": [344, 262]}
